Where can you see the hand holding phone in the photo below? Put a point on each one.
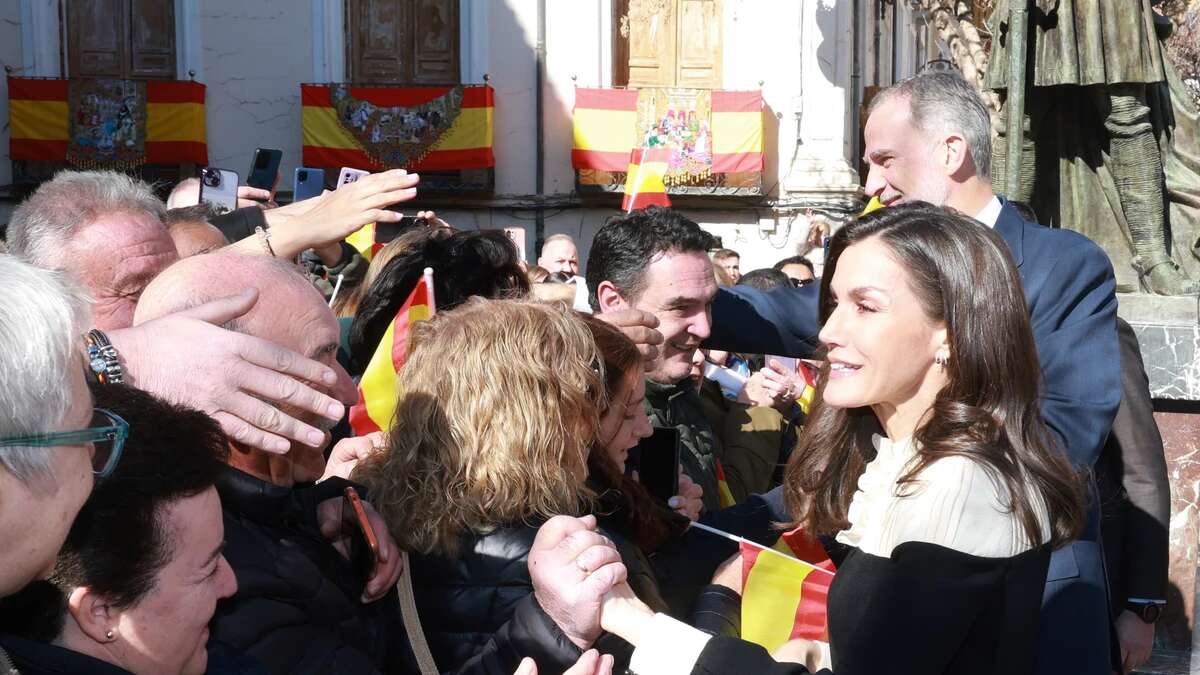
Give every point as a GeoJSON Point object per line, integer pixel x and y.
{"type": "Point", "coordinates": [219, 188]}
{"type": "Point", "coordinates": [307, 183]}
{"type": "Point", "coordinates": [365, 561]}
{"type": "Point", "coordinates": [349, 175]}
{"type": "Point", "coordinates": [264, 170]}
{"type": "Point", "coordinates": [658, 462]}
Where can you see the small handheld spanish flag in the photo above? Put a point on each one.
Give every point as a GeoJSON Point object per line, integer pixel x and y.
{"type": "Point", "coordinates": [363, 241]}
{"type": "Point", "coordinates": [873, 205]}
{"type": "Point", "coordinates": [644, 185]}
{"type": "Point", "coordinates": [378, 391]}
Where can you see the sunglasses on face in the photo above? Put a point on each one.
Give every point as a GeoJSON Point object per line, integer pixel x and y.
{"type": "Point", "coordinates": [106, 434]}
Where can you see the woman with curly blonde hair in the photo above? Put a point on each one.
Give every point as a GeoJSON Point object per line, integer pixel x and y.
{"type": "Point", "coordinates": [500, 403]}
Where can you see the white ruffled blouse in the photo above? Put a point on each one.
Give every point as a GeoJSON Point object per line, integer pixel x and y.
{"type": "Point", "coordinates": [953, 503]}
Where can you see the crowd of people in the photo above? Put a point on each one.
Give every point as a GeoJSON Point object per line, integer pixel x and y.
{"type": "Point", "coordinates": [181, 492]}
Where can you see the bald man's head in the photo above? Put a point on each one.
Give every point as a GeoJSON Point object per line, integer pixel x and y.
{"type": "Point", "coordinates": [290, 312]}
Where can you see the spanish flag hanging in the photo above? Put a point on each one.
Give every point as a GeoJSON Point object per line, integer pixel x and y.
{"type": "Point", "coordinates": [378, 391]}
{"type": "Point", "coordinates": [644, 185]}
{"type": "Point", "coordinates": [413, 128]}
{"type": "Point", "coordinates": [117, 124]}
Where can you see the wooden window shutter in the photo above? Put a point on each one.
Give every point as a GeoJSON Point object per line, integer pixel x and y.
{"type": "Point", "coordinates": [435, 42]}
{"type": "Point", "coordinates": [402, 41]}
{"type": "Point", "coordinates": [96, 38]}
{"type": "Point", "coordinates": [377, 36]}
{"type": "Point", "coordinates": [652, 35]}
{"type": "Point", "coordinates": [152, 39]}
{"type": "Point", "coordinates": [698, 61]}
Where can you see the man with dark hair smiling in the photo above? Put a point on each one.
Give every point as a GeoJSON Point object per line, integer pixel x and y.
{"type": "Point", "coordinates": [656, 260]}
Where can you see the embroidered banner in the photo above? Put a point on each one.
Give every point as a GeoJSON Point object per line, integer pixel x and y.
{"type": "Point", "coordinates": [705, 131]}
{"type": "Point", "coordinates": [107, 123]}
{"type": "Point", "coordinates": [414, 128]}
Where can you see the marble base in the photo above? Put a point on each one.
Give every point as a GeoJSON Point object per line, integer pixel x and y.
{"type": "Point", "coordinates": [1168, 331]}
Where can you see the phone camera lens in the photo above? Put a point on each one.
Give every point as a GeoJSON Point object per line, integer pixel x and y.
{"type": "Point", "coordinates": [211, 177]}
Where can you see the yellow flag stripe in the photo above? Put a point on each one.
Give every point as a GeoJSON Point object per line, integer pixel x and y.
{"type": "Point", "coordinates": [175, 122]}
{"type": "Point", "coordinates": [38, 120]}
{"type": "Point", "coordinates": [320, 128]}
{"type": "Point", "coordinates": [770, 598]}
{"type": "Point", "coordinates": [472, 129]}
{"type": "Point", "coordinates": [605, 130]}
{"type": "Point", "coordinates": [737, 132]}
{"type": "Point", "coordinates": [379, 382]}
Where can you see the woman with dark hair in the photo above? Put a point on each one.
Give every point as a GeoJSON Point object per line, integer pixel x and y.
{"type": "Point", "coordinates": [481, 263]}
{"type": "Point", "coordinates": [141, 572]}
{"type": "Point", "coordinates": [669, 567]}
{"type": "Point", "coordinates": [925, 457]}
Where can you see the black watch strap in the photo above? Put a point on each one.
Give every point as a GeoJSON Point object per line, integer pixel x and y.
{"type": "Point", "coordinates": [1146, 611]}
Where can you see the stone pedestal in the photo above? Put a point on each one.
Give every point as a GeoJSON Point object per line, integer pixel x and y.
{"type": "Point", "coordinates": [1168, 331]}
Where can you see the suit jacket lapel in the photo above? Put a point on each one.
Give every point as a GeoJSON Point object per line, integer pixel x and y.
{"type": "Point", "coordinates": [1011, 226]}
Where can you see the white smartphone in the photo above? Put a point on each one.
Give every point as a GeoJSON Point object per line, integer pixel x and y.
{"type": "Point", "coordinates": [218, 187]}
{"type": "Point", "coordinates": [789, 363]}
{"type": "Point", "coordinates": [349, 175]}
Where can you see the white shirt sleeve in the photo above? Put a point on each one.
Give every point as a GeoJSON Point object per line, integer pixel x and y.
{"type": "Point", "coordinates": [667, 647]}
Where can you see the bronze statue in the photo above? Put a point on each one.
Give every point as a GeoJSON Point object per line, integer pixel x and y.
{"type": "Point", "coordinates": [1090, 157]}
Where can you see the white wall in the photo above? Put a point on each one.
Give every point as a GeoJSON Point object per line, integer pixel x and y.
{"type": "Point", "coordinates": [255, 54]}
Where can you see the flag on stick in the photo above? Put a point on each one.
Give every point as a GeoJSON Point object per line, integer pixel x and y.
{"type": "Point", "coordinates": [644, 184]}
{"type": "Point", "coordinates": [378, 390]}
{"type": "Point", "coordinates": [783, 597]}
{"type": "Point", "coordinates": [724, 494]}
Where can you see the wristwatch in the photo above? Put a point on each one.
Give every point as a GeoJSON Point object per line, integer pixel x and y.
{"type": "Point", "coordinates": [103, 359]}
{"type": "Point", "coordinates": [1147, 611]}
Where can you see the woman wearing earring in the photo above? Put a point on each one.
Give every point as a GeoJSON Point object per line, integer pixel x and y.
{"type": "Point", "coordinates": [140, 574]}
{"type": "Point", "coordinates": [926, 459]}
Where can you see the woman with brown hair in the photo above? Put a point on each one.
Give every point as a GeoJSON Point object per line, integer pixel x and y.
{"type": "Point", "coordinates": [925, 457]}
{"type": "Point", "coordinates": [499, 406]}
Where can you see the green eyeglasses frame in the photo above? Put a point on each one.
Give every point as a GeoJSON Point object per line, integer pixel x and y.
{"type": "Point", "coordinates": [113, 430]}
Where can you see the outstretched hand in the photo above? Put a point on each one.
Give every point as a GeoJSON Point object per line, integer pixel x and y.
{"type": "Point", "coordinates": [244, 382]}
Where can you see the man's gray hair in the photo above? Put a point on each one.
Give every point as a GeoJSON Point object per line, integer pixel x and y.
{"type": "Point", "coordinates": [942, 102]}
{"type": "Point", "coordinates": [43, 224]}
{"type": "Point", "coordinates": [43, 316]}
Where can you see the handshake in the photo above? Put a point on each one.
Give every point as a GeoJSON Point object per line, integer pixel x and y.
{"type": "Point", "coordinates": [580, 582]}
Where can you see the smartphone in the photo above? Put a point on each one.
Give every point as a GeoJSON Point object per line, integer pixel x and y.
{"type": "Point", "coordinates": [264, 169]}
{"type": "Point", "coordinates": [658, 457]}
{"type": "Point", "coordinates": [517, 235]}
{"type": "Point", "coordinates": [218, 187]}
{"type": "Point", "coordinates": [385, 232]}
{"type": "Point", "coordinates": [307, 183]}
{"type": "Point", "coordinates": [789, 363]}
{"type": "Point", "coordinates": [365, 561]}
{"type": "Point", "coordinates": [349, 175]}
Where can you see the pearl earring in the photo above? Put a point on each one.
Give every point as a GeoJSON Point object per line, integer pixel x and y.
{"type": "Point", "coordinates": [109, 635]}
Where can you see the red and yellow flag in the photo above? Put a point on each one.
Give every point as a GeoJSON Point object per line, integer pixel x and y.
{"type": "Point", "coordinates": [39, 120]}
{"type": "Point", "coordinates": [737, 131]}
{"type": "Point", "coordinates": [378, 390]}
{"type": "Point", "coordinates": [806, 397]}
{"type": "Point", "coordinates": [363, 241]}
{"type": "Point", "coordinates": [644, 185]}
{"type": "Point", "coordinates": [724, 494]}
{"type": "Point", "coordinates": [466, 144]}
{"type": "Point", "coordinates": [605, 128]}
{"type": "Point", "coordinates": [784, 597]}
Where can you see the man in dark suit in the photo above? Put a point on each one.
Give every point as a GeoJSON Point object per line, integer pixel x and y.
{"type": "Point", "coordinates": [1135, 509]}
{"type": "Point", "coordinates": [928, 139]}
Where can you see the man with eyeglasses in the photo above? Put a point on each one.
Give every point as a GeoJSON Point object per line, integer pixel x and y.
{"type": "Point", "coordinates": [53, 444]}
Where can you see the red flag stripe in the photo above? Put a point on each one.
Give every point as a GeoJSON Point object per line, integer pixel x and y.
{"type": "Point", "coordinates": [475, 96]}
{"type": "Point", "coordinates": [736, 101]}
{"type": "Point", "coordinates": [606, 99]}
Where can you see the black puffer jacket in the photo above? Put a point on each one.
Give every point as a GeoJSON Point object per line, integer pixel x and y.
{"type": "Point", "coordinates": [297, 608]}
{"type": "Point", "coordinates": [463, 601]}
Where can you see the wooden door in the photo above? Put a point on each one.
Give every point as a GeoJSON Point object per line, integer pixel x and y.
{"type": "Point", "coordinates": [402, 41]}
{"type": "Point", "coordinates": [124, 39]}
{"type": "Point", "coordinates": [668, 43]}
